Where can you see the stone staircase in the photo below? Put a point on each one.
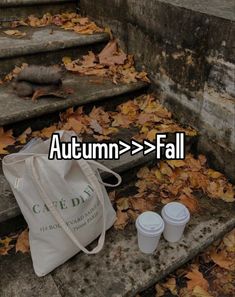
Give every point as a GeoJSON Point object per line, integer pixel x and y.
{"type": "Point", "coordinates": [120, 269]}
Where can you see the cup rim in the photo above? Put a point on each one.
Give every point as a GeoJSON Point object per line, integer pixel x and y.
{"type": "Point", "coordinates": [175, 221]}
{"type": "Point", "coordinates": [147, 232]}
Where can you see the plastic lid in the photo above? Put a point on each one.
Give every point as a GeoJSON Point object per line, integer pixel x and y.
{"type": "Point", "coordinates": [150, 223]}
{"type": "Point", "coordinates": [176, 212]}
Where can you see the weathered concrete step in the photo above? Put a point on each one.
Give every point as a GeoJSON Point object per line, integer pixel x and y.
{"type": "Point", "coordinates": [45, 46]}
{"type": "Point", "coordinates": [85, 89]}
{"type": "Point", "coordinates": [11, 10]}
{"type": "Point", "coordinates": [222, 9]}
{"type": "Point", "coordinates": [16, 3]}
{"type": "Point", "coordinates": [125, 165]}
{"type": "Point", "coordinates": [120, 269]}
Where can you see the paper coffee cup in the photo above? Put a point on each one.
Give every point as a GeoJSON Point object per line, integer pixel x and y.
{"type": "Point", "coordinates": [175, 216]}
{"type": "Point", "coordinates": [149, 226]}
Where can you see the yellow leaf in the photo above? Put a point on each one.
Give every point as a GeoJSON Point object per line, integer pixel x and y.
{"type": "Point", "coordinates": [159, 291]}
{"type": "Point", "coordinates": [214, 174]}
{"type": "Point", "coordinates": [123, 203]}
{"type": "Point", "coordinates": [16, 33]}
{"type": "Point", "coordinates": [200, 292]}
{"type": "Point", "coordinates": [165, 169]}
{"type": "Point", "coordinates": [66, 60]}
{"type": "Point", "coordinates": [152, 134]}
{"type": "Point", "coordinates": [176, 163]}
{"type": "Point", "coordinates": [170, 284]}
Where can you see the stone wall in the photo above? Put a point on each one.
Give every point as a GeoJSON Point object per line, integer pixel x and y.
{"type": "Point", "coordinates": [189, 54]}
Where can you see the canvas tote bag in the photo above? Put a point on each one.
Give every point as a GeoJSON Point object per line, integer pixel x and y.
{"type": "Point", "coordinates": [64, 203]}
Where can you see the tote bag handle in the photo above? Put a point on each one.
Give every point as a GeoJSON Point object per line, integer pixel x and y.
{"type": "Point", "coordinates": [87, 170]}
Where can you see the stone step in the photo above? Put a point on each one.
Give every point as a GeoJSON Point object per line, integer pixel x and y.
{"type": "Point", "coordinates": [11, 10]}
{"type": "Point", "coordinates": [47, 45]}
{"type": "Point", "coordinates": [113, 272]}
{"type": "Point", "coordinates": [125, 166]}
{"type": "Point", "coordinates": [85, 90]}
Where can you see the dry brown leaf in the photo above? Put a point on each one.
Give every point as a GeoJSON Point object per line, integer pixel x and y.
{"type": "Point", "coordinates": [221, 258]}
{"type": "Point", "coordinates": [15, 33]}
{"type": "Point", "coordinates": [196, 278]}
{"type": "Point", "coordinates": [23, 137]}
{"type": "Point", "coordinates": [176, 163]}
{"type": "Point", "coordinates": [170, 284]}
{"type": "Point", "coordinates": [22, 244]}
{"type": "Point", "coordinates": [123, 203]}
{"type": "Point", "coordinates": [190, 202]}
{"type": "Point", "coordinates": [159, 291]}
{"type": "Point", "coordinates": [6, 139]}
{"type": "Point", "coordinates": [229, 241]}
{"type": "Point", "coordinates": [5, 246]}
{"type": "Point", "coordinates": [112, 55]}
{"type": "Point", "coordinates": [122, 220]}
{"type": "Point", "coordinates": [47, 132]}
{"type": "Point", "coordinates": [200, 292]}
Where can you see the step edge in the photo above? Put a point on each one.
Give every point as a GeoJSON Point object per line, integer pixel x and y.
{"type": "Point", "coordinates": [121, 90]}
{"type": "Point", "coordinates": [23, 3]}
{"type": "Point", "coordinates": [40, 47]}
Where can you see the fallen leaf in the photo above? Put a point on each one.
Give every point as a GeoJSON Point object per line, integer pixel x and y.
{"type": "Point", "coordinates": [112, 55]}
{"type": "Point", "coordinates": [122, 220]}
{"type": "Point", "coordinates": [5, 246]}
{"type": "Point", "coordinates": [200, 292]}
{"type": "Point", "coordinates": [15, 33]}
{"type": "Point", "coordinates": [6, 139]}
{"type": "Point", "coordinates": [123, 203]}
{"type": "Point", "coordinates": [229, 241]}
{"type": "Point", "coordinates": [221, 258]}
{"type": "Point", "coordinates": [190, 202]}
{"type": "Point", "coordinates": [23, 137]}
{"type": "Point", "coordinates": [170, 284]}
{"type": "Point", "coordinates": [196, 278]}
{"type": "Point", "coordinates": [22, 244]}
{"type": "Point", "coordinates": [176, 163]}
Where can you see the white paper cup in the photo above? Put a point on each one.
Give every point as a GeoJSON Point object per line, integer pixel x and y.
{"type": "Point", "coordinates": [149, 226]}
{"type": "Point", "coordinates": [175, 216]}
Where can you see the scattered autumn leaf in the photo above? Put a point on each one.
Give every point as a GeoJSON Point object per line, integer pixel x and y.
{"type": "Point", "coordinates": [22, 244]}
{"type": "Point", "coordinates": [23, 137]}
{"type": "Point", "coordinates": [222, 259]}
{"type": "Point", "coordinates": [122, 220]}
{"type": "Point", "coordinates": [200, 292]}
{"type": "Point", "coordinates": [15, 33]}
{"type": "Point", "coordinates": [196, 278]}
{"type": "Point", "coordinates": [6, 139]}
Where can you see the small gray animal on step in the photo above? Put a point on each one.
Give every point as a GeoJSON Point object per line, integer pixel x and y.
{"type": "Point", "coordinates": [32, 78]}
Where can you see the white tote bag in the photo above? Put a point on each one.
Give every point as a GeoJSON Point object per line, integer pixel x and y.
{"type": "Point", "coordinates": [64, 203]}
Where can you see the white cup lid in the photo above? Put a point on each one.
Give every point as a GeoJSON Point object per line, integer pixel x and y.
{"type": "Point", "coordinates": [176, 212]}
{"type": "Point", "coordinates": [150, 223]}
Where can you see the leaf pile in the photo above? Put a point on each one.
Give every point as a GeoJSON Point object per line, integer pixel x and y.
{"type": "Point", "coordinates": [144, 113]}
{"type": "Point", "coordinates": [173, 180]}
{"type": "Point", "coordinates": [67, 21]}
{"type": "Point", "coordinates": [111, 62]}
{"type": "Point", "coordinates": [208, 275]}
{"type": "Point", "coordinates": [14, 73]}
{"type": "Point", "coordinates": [15, 243]}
